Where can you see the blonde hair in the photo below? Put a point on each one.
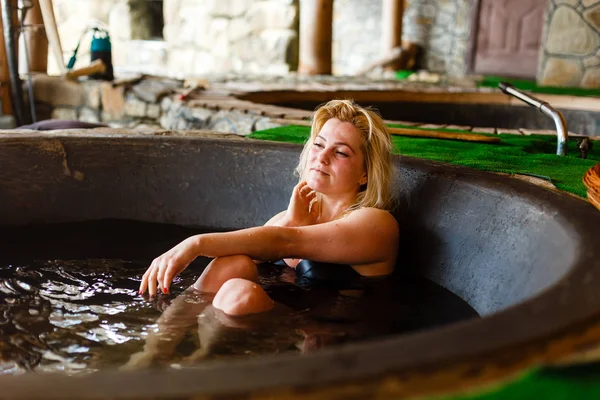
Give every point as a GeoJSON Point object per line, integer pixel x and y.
{"type": "Point", "coordinates": [376, 146]}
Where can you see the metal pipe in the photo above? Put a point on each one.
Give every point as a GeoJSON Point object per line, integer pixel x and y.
{"type": "Point", "coordinates": [561, 128]}
{"type": "Point", "coordinates": [562, 133]}
{"type": "Point", "coordinates": [13, 66]}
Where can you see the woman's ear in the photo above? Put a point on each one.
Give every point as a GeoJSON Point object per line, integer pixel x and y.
{"type": "Point", "coordinates": [363, 180]}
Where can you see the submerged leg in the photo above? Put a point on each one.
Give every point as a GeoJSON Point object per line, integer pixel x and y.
{"type": "Point", "coordinates": [171, 328]}
{"type": "Point", "coordinates": [222, 269]}
{"type": "Point", "coordinates": [239, 297]}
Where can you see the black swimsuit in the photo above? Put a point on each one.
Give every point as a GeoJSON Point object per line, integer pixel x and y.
{"type": "Point", "coordinates": [324, 272]}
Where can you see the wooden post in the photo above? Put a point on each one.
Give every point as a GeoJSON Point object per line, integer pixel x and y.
{"type": "Point", "coordinates": [316, 27]}
{"type": "Point", "coordinates": [393, 10]}
{"type": "Point", "coordinates": [37, 42]}
{"type": "Point", "coordinates": [4, 78]}
{"type": "Point", "coordinates": [52, 34]}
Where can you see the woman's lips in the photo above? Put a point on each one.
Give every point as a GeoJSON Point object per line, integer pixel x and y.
{"type": "Point", "coordinates": [319, 171]}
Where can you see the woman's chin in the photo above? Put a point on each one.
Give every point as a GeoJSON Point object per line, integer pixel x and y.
{"type": "Point", "coordinates": [314, 184]}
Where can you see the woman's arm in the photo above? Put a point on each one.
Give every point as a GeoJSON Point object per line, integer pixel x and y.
{"type": "Point", "coordinates": [366, 236]}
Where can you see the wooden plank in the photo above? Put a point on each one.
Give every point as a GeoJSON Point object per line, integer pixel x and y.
{"type": "Point", "coordinates": [397, 95]}
{"type": "Point", "coordinates": [469, 137]}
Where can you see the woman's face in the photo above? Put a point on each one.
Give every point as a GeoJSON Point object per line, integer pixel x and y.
{"type": "Point", "coordinates": [336, 163]}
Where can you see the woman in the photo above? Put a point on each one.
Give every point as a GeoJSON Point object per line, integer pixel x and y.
{"type": "Point", "coordinates": [336, 215]}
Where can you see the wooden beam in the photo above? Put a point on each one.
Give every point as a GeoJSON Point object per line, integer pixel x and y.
{"type": "Point", "coordinates": [52, 34]}
{"type": "Point", "coordinates": [37, 42]}
{"type": "Point", "coordinates": [393, 10]}
{"type": "Point", "coordinates": [316, 28]}
{"type": "Point", "coordinates": [4, 77]}
{"type": "Point", "coordinates": [394, 95]}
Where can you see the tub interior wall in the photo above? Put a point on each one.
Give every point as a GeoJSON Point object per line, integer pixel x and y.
{"type": "Point", "coordinates": [487, 244]}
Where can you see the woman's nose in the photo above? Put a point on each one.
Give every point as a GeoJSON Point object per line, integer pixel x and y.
{"type": "Point", "coordinates": [323, 156]}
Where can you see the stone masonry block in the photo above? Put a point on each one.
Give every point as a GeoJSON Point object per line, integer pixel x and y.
{"type": "Point", "coordinates": [93, 93]}
{"type": "Point", "coordinates": [153, 111]}
{"type": "Point", "coordinates": [135, 107]}
{"type": "Point", "coordinates": [58, 91]}
{"type": "Point", "coordinates": [593, 16]}
{"type": "Point", "coordinates": [181, 62]}
{"type": "Point", "coordinates": [239, 28]}
{"type": "Point", "coordinates": [561, 72]}
{"type": "Point", "coordinates": [591, 78]}
{"type": "Point", "coordinates": [66, 113]}
{"type": "Point", "coordinates": [271, 15]}
{"type": "Point", "coordinates": [276, 44]}
{"type": "Point", "coordinates": [569, 35]}
{"type": "Point", "coordinates": [113, 101]}
{"type": "Point", "coordinates": [232, 122]}
{"type": "Point", "coordinates": [89, 115]}
{"type": "Point", "coordinates": [227, 8]}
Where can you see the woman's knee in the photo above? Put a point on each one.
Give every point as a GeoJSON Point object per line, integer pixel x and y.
{"type": "Point", "coordinates": [222, 269]}
{"type": "Point", "coordinates": [242, 297]}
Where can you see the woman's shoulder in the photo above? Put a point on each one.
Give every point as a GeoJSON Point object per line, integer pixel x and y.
{"type": "Point", "coordinates": [374, 215]}
{"type": "Point", "coordinates": [372, 211]}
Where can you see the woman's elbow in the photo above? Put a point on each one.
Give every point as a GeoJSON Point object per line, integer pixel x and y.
{"type": "Point", "coordinates": [287, 241]}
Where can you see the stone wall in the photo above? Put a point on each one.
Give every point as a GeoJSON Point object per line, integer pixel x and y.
{"type": "Point", "coordinates": [441, 27]}
{"type": "Point", "coordinates": [256, 36]}
{"type": "Point", "coordinates": [356, 34]}
{"type": "Point", "coordinates": [137, 106]}
{"type": "Point", "coordinates": [200, 36]}
{"type": "Point", "coordinates": [249, 36]}
{"type": "Point", "coordinates": [571, 44]}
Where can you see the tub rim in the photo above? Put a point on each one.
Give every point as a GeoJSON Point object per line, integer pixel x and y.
{"type": "Point", "coordinates": [370, 360]}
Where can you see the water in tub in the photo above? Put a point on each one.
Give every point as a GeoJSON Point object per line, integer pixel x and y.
{"type": "Point", "coordinates": [69, 302]}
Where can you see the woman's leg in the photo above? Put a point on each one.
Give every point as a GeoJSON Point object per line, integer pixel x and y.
{"type": "Point", "coordinates": [222, 269]}
{"type": "Point", "coordinates": [239, 297]}
{"type": "Point", "coordinates": [233, 279]}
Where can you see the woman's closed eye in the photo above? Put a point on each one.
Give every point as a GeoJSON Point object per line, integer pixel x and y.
{"type": "Point", "coordinates": [319, 145]}
{"type": "Point", "coordinates": [342, 154]}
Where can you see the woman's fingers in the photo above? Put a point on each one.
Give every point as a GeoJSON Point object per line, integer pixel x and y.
{"type": "Point", "coordinates": [163, 269]}
{"type": "Point", "coordinates": [307, 191]}
{"type": "Point", "coordinates": [300, 186]}
{"type": "Point", "coordinates": [152, 281]}
{"type": "Point", "coordinates": [167, 280]}
{"type": "Point", "coordinates": [144, 283]}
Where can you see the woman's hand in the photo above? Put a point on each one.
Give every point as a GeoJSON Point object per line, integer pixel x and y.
{"type": "Point", "coordinates": [167, 266]}
{"type": "Point", "coordinates": [303, 207]}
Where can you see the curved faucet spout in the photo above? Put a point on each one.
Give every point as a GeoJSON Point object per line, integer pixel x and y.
{"type": "Point", "coordinates": [562, 133]}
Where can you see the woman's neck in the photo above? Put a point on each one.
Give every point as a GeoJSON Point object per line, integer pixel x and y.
{"type": "Point", "coordinates": [331, 208]}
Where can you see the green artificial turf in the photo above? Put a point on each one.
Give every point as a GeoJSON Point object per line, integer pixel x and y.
{"type": "Point", "coordinates": [523, 84]}
{"type": "Point", "coordinates": [568, 383]}
{"type": "Point", "coordinates": [533, 155]}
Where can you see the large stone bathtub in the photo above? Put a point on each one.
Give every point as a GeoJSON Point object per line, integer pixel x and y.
{"type": "Point", "coordinates": [526, 258]}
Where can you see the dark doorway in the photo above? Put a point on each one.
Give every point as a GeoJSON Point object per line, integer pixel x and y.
{"type": "Point", "coordinates": [147, 19]}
